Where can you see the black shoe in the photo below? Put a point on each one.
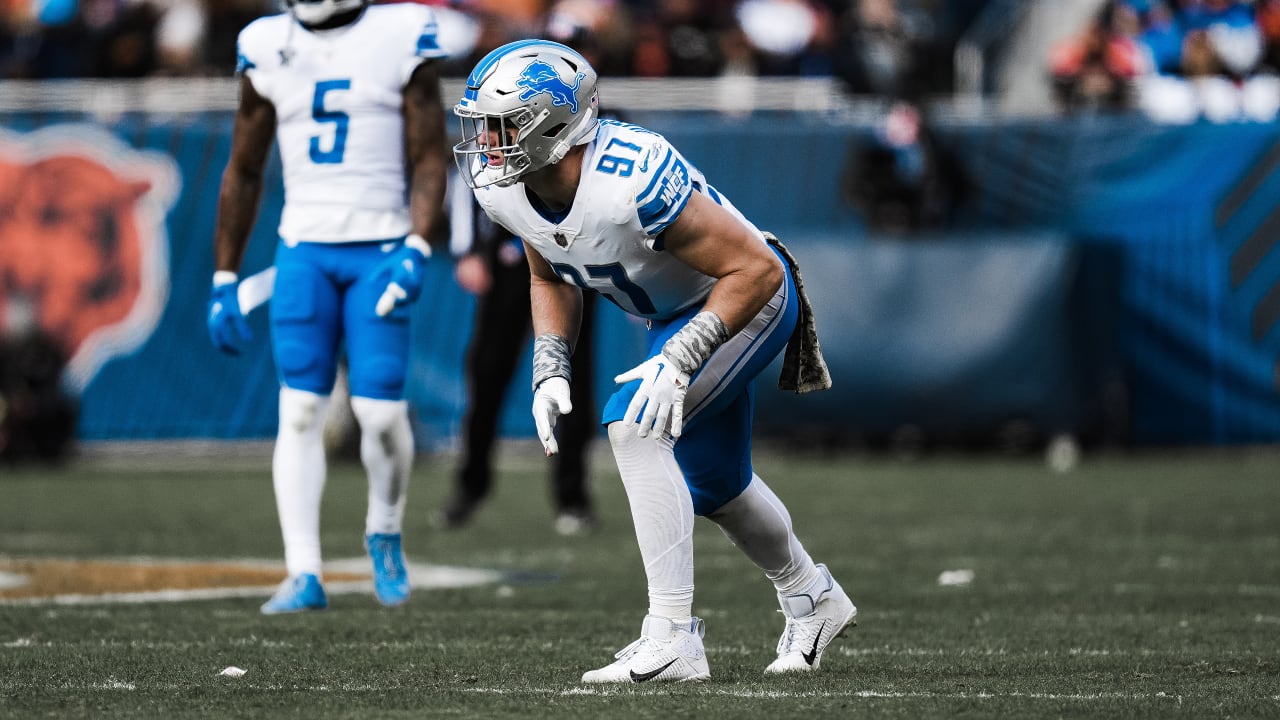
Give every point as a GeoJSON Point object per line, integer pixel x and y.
{"type": "Point", "coordinates": [457, 512]}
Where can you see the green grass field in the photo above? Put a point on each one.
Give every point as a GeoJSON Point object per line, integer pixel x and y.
{"type": "Point", "coordinates": [1135, 586]}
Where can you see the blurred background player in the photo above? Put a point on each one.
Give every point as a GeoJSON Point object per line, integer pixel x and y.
{"type": "Point", "coordinates": [615, 208]}
{"type": "Point", "coordinates": [351, 93]}
{"type": "Point", "coordinates": [492, 266]}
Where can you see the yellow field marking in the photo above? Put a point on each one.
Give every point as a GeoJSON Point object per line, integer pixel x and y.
{"type": "Point", "coordinates": [47, 578]}
{"type": "Point", "coordinates": [78, 581]}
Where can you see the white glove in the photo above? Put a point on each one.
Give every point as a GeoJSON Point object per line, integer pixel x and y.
{"type": "Point", "coordinates": [550, 401]}
{"type": "Point", "coordinates": [661, 395]}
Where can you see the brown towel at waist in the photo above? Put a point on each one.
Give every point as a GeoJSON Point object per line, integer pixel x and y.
{"type": "Point", "coordinates": [803, 368]}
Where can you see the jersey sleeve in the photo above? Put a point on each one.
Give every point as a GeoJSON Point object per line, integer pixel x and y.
{"type": "Point", "coordinates": [426, 44]}
{"type": "Point", "coordinates": [663, 186]}
{"type": "Point", "coordinates": [253, 54]}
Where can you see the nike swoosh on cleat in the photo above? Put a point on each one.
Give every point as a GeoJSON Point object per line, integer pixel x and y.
{"type": "Point", "coordinates": [813, 654]}
{"type": "Point", "coordinates": [641, 677]}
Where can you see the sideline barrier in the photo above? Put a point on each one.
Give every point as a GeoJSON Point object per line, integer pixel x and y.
{"type": "Point", "coordinates": [1099, 259]}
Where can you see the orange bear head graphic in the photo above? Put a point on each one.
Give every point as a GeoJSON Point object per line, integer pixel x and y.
{"type": "Point", "coordinates": [76, 253]}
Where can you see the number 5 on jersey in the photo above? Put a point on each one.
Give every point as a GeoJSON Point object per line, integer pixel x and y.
{"type": "Point", "coordinates": [340, 120]}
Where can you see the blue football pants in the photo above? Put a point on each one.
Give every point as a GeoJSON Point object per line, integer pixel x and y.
{"type": "Point", "coordinates": [714, 449]}
{"type": "Point", "coordinates": [325, 295]}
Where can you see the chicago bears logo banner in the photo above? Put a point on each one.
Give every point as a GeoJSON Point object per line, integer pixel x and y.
{"type": "Point", "coordinates": [84, 253]}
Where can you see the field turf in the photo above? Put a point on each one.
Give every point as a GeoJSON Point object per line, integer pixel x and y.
{"type": "Point", "coordinates": [1137, 585]}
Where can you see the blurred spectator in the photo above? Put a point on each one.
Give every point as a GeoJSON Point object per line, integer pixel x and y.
{"type": "Point", "coordinates": [37, 417]}
{"type": "Point", "coordinates": [1268, 19]}
{"type": "Point", "coordinates": [39, 42]}
{"type": "Point", "coordinates": [1159, 34]}
{"type": "Point", "coordinates": [789, 37]}
{"type": "Point", "coordinates": [1096, 69]}
{"type": "Point", "coordinates": [1220, 69]}
{"type": "Point", "coordinates": [125, 44]}
{"type": "Point", "coordinates": [680, 37]}
{"type": "Point", "coordinates": [226, 18]}
{"type": "Point", "coordinates": [599, 29]}
{"type": "Point", "coordinates": [900, 179]}
{"type": "Point", "coordinates": [878, 48]}
{"type": "Point", "coordinates": [179, 38]}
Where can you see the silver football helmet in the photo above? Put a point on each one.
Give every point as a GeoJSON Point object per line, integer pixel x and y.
{"type": "Point", "coordinates": [316, 12]}
{"type": "Point", "coordinates": [526, 103]}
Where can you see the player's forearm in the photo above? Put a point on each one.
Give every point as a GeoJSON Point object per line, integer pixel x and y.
{"type": "Point", "coordinates": [426, 196]}
{"type": "Point", "coordinates": [237, 207]}
{"type": "Point", "coordinates": [424, 142]}
{"type": "Point", "coordinates": [557, 309]}
{"type": "Point", "coordinates": [740, 295]}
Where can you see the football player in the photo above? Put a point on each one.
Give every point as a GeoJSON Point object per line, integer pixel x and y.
{"type": "Point", "coordinates": [612, 207]}
{"type": "Point", "coordinates": [351, 94]}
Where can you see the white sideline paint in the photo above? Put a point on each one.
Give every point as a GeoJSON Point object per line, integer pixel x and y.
{"type": "Point", "coordinates": [421, 575]}
{"type": "Point", "coordinates": [10, 581]}
{"type": "Point", "coordinates": [628, 691]}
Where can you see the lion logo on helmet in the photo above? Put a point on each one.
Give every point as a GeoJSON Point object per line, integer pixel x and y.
{"type": "Point", "coordinates": [84, 254]}
{"type": "Point", "coordinates": [539, 77]}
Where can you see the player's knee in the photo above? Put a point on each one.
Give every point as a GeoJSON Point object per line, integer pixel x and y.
{"type": "Point", "coordinates": [301, 411]}
{"type": "Point", "coordinates": [706, 501]}
{"type": "Point", "coordinates": [297, 358]}
{"type": "Point", "coordinates": [379, 377]}
{"type": "Point", "coordinates": [379, 416]}
{"type": "Point", "coordinates": [623, 437]}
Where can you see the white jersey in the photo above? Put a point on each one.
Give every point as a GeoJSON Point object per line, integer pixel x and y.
{"type": "Point", "coordinates": [633, 185]}
{"type": "Point", "coordinates": [337, 96]}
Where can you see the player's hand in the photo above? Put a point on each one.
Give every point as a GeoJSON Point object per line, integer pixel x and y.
{"type": "Point", "coordinates": [406, 271]}
{"type": "Point", "coordinates": [472, 274]}
{"type": "Point", "coordinates": [661, 396]}
{"type": "Point", "coordinates": [550, 401]}
{"type": "Point", "coordinates": [228, 329]}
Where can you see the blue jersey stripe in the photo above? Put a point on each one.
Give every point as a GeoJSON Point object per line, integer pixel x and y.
{"type": "Point", "coordinates": [732, 373]}
{"type": "Point", "coordinates": [649, 213]}
{"type": "Point", "coordinates": [428, 45]}
{"type": "Point", "coordinates": [660, 223]}
{"type": "Point", "coordinates": [641, 198]}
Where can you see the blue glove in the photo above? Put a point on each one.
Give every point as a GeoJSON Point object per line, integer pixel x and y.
{"type": "Point", "coordinates": [406, 270]}
{"type": "Point", "coordinates": [228, 329]}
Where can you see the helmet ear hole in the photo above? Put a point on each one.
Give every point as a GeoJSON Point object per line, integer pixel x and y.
{"type": "Point", "coordinates": [554, 130]}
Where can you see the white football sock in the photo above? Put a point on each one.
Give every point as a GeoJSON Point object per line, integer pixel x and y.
{"type": "Point", "coordinates": [759, 525]}
{"type": "Point", "coordinates": [662, 511]}
{"type": "Point", "coordinates": [386, 448]}
{"type": "Point", "coordinates": [298, 474]}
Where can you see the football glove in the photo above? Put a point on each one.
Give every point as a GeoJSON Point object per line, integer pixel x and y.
{"type": "Point", "coordinates": [228, 329]}
{"type": "Point", "coordinates": [550, 401]}
{"type": "Point", "coordinates": [660, 396]}
{"type": "Point", "coordinates": [405, 271]}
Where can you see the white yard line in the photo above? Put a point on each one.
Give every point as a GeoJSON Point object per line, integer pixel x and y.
{"type": "Point", "coordinates": [869, 694]}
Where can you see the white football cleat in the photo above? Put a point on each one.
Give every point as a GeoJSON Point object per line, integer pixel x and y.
{"type": "Point", "coordinates": [812, 623]}
{"type": "Point", "coordinates": [665, 652]}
